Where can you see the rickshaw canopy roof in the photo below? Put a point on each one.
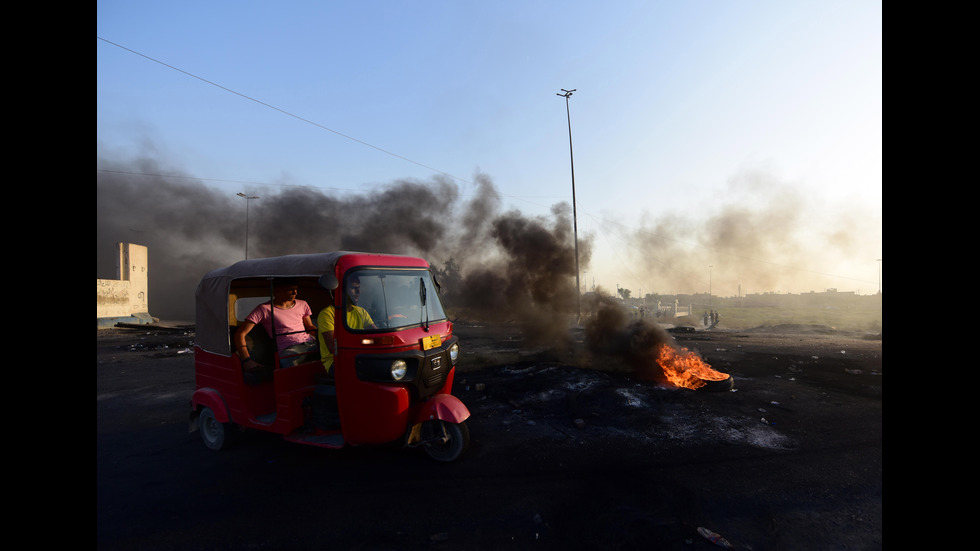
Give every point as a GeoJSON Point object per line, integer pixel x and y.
{"type": "Point", "coordinates": [212, 292]}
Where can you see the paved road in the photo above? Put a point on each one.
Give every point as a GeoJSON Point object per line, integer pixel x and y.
{"type": "Point", "coordinates": [790, 460]}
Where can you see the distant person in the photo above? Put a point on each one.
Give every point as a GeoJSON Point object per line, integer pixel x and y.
{"type": "Point", "coordinates": [293, 325]}
{"type": "Point", "coordinates": [357, 318]}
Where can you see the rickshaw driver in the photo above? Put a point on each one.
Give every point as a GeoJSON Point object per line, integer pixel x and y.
{"type": "Point", "coordinates": [357, 318]}
{"type": "Point", "coordinates": [293, 321]}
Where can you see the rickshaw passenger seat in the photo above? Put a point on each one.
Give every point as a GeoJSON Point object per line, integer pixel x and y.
{"type": "Point", "coordinates": [261, 348]}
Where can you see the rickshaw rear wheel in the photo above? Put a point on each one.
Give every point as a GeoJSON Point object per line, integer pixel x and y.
{"type": "Point", "coordinates": [214, 433]}
{"type": "Point", "coordinates": [456, 442]}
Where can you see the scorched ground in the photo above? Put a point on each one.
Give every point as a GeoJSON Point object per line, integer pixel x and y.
{"type": "Point", "coordinates": [561, 457]}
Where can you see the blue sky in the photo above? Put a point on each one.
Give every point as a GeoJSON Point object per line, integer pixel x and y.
{"type": "Point", "coordinates": [675, 103]}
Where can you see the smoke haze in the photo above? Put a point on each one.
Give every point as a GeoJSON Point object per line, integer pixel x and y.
{"type": "Point", "coordinates": [763, 235]}
{"type": "Point", "coordinates": [494, 264]}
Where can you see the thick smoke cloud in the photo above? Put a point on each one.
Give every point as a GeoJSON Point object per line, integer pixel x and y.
{"type": "Point", "coordinates": [493, 265]}
{"type": "Point", "coordinates": [406, 217]}
{"type": "Point", "coordinates": [617, 341]}
{"type": "Point", "coordinates": [528, 277]}
{"type": "Point", "coordinates": [188, 229]}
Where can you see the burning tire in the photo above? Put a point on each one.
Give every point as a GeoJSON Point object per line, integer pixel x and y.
{"type": "Point", "coordinates": [687, 369]}
{"type": "Point", "coordinates": [718, 386]}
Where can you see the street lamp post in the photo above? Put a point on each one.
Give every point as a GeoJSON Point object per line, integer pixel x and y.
{"type": "Point", "coordinates": [709, 286]}
{"type": "Point", "coordinates": [247, 199]}
{"type": "Point", "coordinates": [578, 296]}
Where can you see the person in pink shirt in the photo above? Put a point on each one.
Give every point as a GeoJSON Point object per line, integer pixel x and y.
{"type": "Point", "coordinates": [294, 327]}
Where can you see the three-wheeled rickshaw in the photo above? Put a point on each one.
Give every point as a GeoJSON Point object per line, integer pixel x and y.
{"type": "Point", "coordinates": [388, 383]}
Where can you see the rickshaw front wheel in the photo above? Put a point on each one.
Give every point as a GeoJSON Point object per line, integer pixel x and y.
{"type": "Point", "coordinates": [213, 432]}
{"type": "Point", "coordinates": [445, 441]}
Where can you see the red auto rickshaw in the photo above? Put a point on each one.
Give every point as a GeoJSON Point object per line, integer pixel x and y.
{"type": "Point", "coordinates": [389, 383]}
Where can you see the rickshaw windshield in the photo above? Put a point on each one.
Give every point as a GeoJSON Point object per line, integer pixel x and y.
{"type": "Point", "coordinates": [394, 299]}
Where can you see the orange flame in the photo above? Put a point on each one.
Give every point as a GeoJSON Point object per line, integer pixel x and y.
{"type": "Point", "coordinates": [686, 369]}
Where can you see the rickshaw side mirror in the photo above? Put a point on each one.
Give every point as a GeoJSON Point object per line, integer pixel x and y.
{"type": "Point", "coordinates": [329, 282]}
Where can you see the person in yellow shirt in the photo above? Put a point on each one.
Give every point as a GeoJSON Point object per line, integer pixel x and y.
{"type": "Point", "coordinates": [357, 318]}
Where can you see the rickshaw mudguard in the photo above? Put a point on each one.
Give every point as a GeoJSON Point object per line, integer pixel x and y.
{"type": "Point", "coordinates": [444, 407]}
{"type": "Point", "coordinates": [210, 398]}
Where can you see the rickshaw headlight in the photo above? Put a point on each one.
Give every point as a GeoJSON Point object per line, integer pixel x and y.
{"type": "Point", "coordinates": [454, 353]}
{"type": "Point", "coordinates": [398, 369]}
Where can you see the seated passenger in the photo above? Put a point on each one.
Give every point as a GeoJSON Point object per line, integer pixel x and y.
{"type": "Point", "coordinates": [293, 326]}
{"type": "Point", "coordinates": [357, 318]}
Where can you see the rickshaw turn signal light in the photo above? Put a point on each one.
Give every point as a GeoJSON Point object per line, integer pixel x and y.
{"type": "Point", "coordinates": [385, 340]}
{"type": "Point", "coordinates": [454, 353]}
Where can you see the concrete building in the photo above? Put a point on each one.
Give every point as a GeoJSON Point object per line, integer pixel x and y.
{"type": "Point", "coordinates": [125, 299]}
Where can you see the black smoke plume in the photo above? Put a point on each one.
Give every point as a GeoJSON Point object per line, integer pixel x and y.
{"type": "Point", "coordinates": [619, 342]}
{"type": "Point", "coordinates": [493, 265]}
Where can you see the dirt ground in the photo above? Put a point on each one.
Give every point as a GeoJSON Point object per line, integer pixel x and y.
{"type": "Point", "coordinates": [561, 457]}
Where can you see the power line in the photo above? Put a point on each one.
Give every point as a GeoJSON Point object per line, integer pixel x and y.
{"type": "Point", "coordinates": [382, 150]}
{"type": "Point", "coordinates": [362, 142]}
{"type": "Point", "coordinates": [283, 111]}
{"type": "Point", "coordinates": [224, 181]}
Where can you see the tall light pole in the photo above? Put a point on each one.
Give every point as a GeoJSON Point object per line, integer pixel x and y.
{"type": "Point", "coordinates": [709, 286]}
{"type": "Point", "coordinates": [578, 295]}
{"type": "Point", "coordinates": [247, 199]}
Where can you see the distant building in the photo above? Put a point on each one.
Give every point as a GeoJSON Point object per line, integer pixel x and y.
{"type": "Point", "coordinates": [125, 299]}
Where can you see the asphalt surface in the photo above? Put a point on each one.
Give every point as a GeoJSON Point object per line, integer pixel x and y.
{"type": "Point", "coordinates": [561, 457]}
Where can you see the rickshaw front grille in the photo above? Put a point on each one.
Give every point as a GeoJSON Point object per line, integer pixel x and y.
{"type": "Point", "coordinates": [435, 371]}
{"type": "Point", "coordinates": [436, 379]}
